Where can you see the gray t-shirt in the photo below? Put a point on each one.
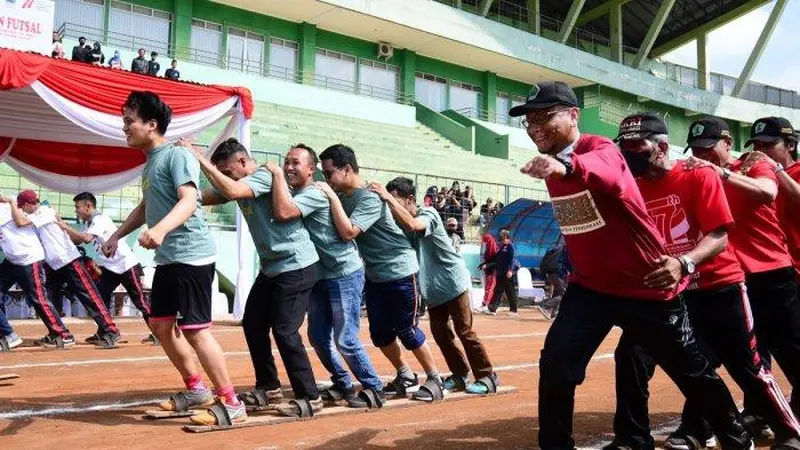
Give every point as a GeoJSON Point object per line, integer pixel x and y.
{"type": "Point", "coordinates": [281, 246]}
{"type": "Point", "coordinates": [337, 258]}
{"type": "Point", "coordinates": [387, 253]}
{"type": "Point", "coordinates": [443, 273]}
{"type": "Point", "coordinates": [169, 167]}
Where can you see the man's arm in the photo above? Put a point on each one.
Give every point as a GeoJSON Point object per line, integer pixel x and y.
{"type": "Point", "coordinates": [760, 186]}
{"type": "Point", "coordinates": [600, 169]}
{"type": "Point", "coordinates": [17, 214]}
{"type": "Point", "coordinates": [76, 236]}
{"type": "Point", "coordinates": [711, 245]}
{"type": "Point", "coordinates": [283, 207]}
{"type": "Point", "coordinates": [227, 187]}
{"type": "Point", "coordinates": [179, 214]}
{"type": "Point", "coordinates": [347, 231]}
{"type": "Point", "coordinates": [210, 197]}
{"type": "Point", "coordinates": [400, 214]}
{"type": "Point", "coordinates": [789, 186]}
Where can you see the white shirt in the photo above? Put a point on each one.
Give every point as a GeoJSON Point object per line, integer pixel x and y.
{"type": "Point", "coordinates": [102, 227]}
{"type": "Point", "coordinates": [58, 247]}
{"type": "Point", "coordinates": [20, 244]}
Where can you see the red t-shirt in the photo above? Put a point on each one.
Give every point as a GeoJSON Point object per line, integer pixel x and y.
{"type": "Point", "coordinates": [612, 242]}
{"type": "Point", "coordinates": [757, 238]}
{"type": "Point", "coordinates": [685, 205]}
{"type": "Point", "coordinates": [789, 217]}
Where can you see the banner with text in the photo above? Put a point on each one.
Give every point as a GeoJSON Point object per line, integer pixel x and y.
{"type": "Point", "coordinates": [27, 25]}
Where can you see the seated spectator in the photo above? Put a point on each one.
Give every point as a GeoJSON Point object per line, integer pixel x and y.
{"type": "Point", "coordinates": [58, 47]}
{"type": "Point", "coordinates": [172, 73]}
{"type": "Point", "coordinates": [139, 64]}
{"type": "Point", "coordinates": [96, 55]}
{"type": "Point", "coordinates": [78, 52]}
{"type": "Point", "coordinates": [115, 62]}
{"type": "Point", "coordinates": [153, 66]}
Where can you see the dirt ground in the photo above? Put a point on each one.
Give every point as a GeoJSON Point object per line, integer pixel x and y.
{"type": "Point", "coordinates": [85, 397]}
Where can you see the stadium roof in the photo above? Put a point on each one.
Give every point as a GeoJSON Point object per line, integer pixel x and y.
{"type": "Point", "coordinates": [685, 20]}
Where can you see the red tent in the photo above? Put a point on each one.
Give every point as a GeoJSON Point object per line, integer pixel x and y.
{"type": "Point", "coordinates": [61, 126]}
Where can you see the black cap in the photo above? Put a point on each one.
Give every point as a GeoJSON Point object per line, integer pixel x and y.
{"type": "Point", "coordinates": [545, 95]}
{"type": "Point", "coordinates": [705, 133]}
{"type": "Point", "coordinates": [640, 126]}
{"type": "Point", "coordinates": [770, 129]}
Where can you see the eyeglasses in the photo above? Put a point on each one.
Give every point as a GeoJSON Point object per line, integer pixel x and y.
{"type": "Point", "coordinates": [329, 173]}
{"type": "Point", "coordinates": [541, 118]}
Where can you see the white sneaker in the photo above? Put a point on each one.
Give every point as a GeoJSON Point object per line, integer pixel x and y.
{"type": "Point", "coordinates": [488, 312]}
{"type": "Point", "coordinates": [13, 340]}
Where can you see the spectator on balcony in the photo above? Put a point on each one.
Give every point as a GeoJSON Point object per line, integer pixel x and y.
{"type": "Point", "coordinates": [468, 203]}
{"type": "Point", "coordinates": [96, 55]}
{"type": "Point", "coordinates": [139, 64]}
{"type": "Point", "coordinates": [456, 188]}
{"type": "Point", "coordinates": [153, 66]}
{"type": "Point", "coordinates": [58, 47]}
{"type": "Point", "coordinates": [115, 62]}
{"type": "Point", "coordinates": [172, 73]}
{"type": "Point", "coordinates": [439, 204]}
{"type": "Point", "coordinates": [78, 52]}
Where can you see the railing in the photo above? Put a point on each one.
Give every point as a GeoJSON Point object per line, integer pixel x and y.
{"type": "Point", "coordinates": [498, 117]}
{"type": "Point", "coordinates": [116, 41]}
{"type": "Point", "coordinates": [516, 15]}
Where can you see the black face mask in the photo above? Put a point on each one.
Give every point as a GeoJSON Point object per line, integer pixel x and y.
{"type": "Point", "coordinates": [638, 163]}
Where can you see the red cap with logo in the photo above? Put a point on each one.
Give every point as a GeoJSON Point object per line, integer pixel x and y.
{"type": "Point", "coordinates": [26, 197]}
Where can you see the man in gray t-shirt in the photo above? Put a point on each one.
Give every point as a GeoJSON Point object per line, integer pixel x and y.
{"type": "Point", "coordinates": [391, 270]}
{"type": "Point", "coordinates": [334, 312]}
{"type": "Point", "coordinates": [185, 258]}
{"type": "Point", "coordinates": [279, 298]}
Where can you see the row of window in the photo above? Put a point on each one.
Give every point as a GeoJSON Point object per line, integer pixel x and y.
{"type": "Point", "coordinates": [132, 26]}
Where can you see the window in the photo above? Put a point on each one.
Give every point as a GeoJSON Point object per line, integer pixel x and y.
{"type": "Point", "coordinates": [465, 98]}
{"type": "Point", "coordinates": [80, 18]}
{"type": "Point", "coordinates": [431, 91]}
{"type": "Point", "coordinates": [206, 43]}
{"type": "Point", "coordinates": [283, 59]}
{"type": "Point", "coordinates": [503, 103]}
{"type": "Point", "coordinates": [133, 27]}
{"type": "Point", "coordinates": [379, 80]}
{"type": "Point", "coordinates": [335, 70]}
{"type": "Point", "coordinates": [245, 51]}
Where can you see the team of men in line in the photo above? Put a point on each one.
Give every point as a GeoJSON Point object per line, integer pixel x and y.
{"type": "Point", "coordinates": [319, 251]}
{"type": "Point", "coordinates": [692, 259]}
{"type": "Point", "coordinates": [42, 258]}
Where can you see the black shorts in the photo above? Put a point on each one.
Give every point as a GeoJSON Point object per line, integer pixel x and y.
{"type": "Point", "coordinates": [182, 293]}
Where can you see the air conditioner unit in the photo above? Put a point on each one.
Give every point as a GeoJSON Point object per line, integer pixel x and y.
{"type": "Point", "coordinates": [385, 50]}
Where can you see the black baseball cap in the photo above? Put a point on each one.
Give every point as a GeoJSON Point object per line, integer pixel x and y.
{"type": "Point", "coordinates": [706, 132]}
{"type": "Point", "coordinates": [771, 130]}
{"type": "Point", "coordinates": [640, 126]}
{"type": "Point", "coordinates": [545, 95]}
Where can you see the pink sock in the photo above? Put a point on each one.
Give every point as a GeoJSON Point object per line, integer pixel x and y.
{"type": "Point", "coordinates": [195, 383]}
{"type": "Point", "coordinates": [227, 393]}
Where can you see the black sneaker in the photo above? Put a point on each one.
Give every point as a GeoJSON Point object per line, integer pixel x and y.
{"type": "Point", "coordinates": [108, 340]}
{"type": "Point", "coordinates": [68, 340]}
{"type": "Point", "coordinates": [358, 401]}
{"type": "Point", "coordinates": [758, 428]}
{"type": "Point", "coordinates": [680, 440]}
{"type": "Point", "coordinates": [50, 341]}
{"type": "Point", "coordinates": [399, 386]}
{"type": "Point", "coordinates": [93, 339]}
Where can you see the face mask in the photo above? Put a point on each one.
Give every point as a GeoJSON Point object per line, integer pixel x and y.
{"type": "Point", "coordinates": [638, 163]}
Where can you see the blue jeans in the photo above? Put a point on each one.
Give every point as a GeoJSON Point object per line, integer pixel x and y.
{"type": "Point", "coordinates": [334, 319]}
{"type": "Point", "coordinates": [5, 327]}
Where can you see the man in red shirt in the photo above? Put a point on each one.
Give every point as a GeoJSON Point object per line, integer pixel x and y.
{"type": "Point", "coordinates": [623, 274]}
{"type": "Point", "coordinates": [759, 242]}
{"type": "Point", "coordinates": [691, 211]}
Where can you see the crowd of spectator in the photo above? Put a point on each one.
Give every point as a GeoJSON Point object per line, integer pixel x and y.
{"type": "Point", "coordinates": [456, 207]}
{"type": "Point", "coordinates": [93, 54]}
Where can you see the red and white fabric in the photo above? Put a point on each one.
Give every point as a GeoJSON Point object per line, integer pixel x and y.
{"type": "Point", "coordinates": [61, 127]}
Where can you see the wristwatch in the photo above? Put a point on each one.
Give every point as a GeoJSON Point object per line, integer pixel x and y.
{"type": "Point", "coordinates": [689, 267]}
{"type": "Point", "coordinates": [567, 164]}
{"type": "Point", "coordinates": [779, 168]}
{"type": "Point", "coordinates": [726, 173]}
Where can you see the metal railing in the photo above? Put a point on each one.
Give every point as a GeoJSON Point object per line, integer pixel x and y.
{"type": "Point", "coordinates": [116, 41]}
